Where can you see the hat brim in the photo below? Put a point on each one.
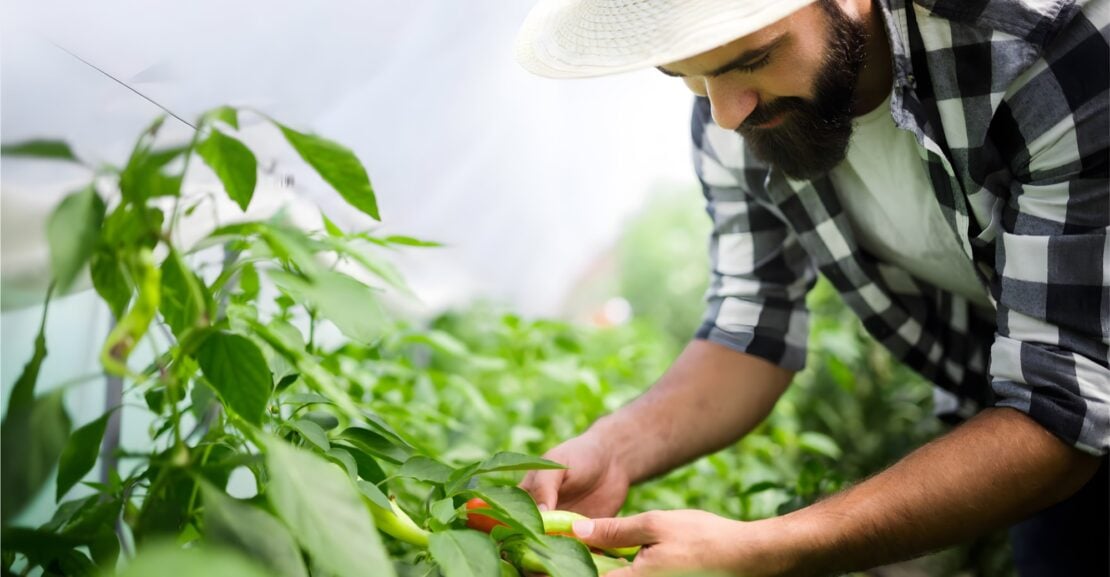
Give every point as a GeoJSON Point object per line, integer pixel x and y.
{"type": "Point", "coordinates": [584, 38]}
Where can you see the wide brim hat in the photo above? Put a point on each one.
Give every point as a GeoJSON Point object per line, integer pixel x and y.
{"type": "Point", "coordinates": [582, 38]}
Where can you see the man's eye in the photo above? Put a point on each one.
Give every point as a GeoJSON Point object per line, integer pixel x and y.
{"type": "Point", "coordinates": [755, 65]}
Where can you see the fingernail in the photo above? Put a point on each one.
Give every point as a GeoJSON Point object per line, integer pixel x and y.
{"type": "Point", "coordinates": [542, 507]}
{"type": "Point", "coordinates": [583, 528]}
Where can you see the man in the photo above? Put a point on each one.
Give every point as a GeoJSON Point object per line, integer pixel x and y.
{"type": "Point", "coordinates": [944, 163]}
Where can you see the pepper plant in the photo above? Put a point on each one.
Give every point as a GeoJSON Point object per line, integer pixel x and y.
{"type": "Point", "coordinates": [241, 382]}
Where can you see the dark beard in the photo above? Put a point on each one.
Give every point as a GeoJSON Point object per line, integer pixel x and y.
{"type": "Point", "coordinates": [813, 136]}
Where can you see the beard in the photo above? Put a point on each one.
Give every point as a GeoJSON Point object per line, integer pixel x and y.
{"type": "Point", "coordinates": [814, 134]}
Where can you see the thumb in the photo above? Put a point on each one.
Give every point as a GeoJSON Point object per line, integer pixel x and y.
{"type": "Point", "coordinates": [612, 532]}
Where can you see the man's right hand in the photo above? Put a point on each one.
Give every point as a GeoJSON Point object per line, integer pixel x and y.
{"type": "Point", "coordinates": [594, 483]}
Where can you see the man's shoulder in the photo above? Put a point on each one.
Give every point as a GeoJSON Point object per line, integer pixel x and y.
{"type": "Point", "coordinates": [1035, 21]}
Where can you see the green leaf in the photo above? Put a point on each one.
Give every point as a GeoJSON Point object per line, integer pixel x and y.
{"type": "Point", "coordinates": [163, 558]}
{"type": "Point", "coordinates": [372, 492]}
{"type": "Point", "coordinates": [226, 114]}
{"type": "Point", "coordinates": [251, 530]}
{"type": "Point", "coordinates": [306, 399]}
{"type": "Point", "coordinates": [514, 502]}
{"type": "Point", "coordinates": [73, 230]}
{"type": "Point", "coordinates": [325, 514]}
{"type": "Point", "coordinates": [425, 469]}
{"type": "Point", "coordinates": [410, 241]}
{"type": "Point", "coordinates": [52, 149]}
{"type": "Point", "coordinates": [461, 477]}
{"type": "Point", "coordinates": [368, 468]}
{"type": "Point", "coordinates": [312, 433]}
{"type": "Point", "coordinates": [236, 369]}
{"type": "Point", "coordinates": [80, 453]}
{"type": "Point", "coordinates": [39, 545]}
{"type": "Point", "coordinates": [464, 554]}
{"type": "Point", "coordinates": [142, 178]}
{"type": "Point", "coordinates": [129, 226]}
{"type": "Point", "coordinates": [506, 461]}
{"type": "Point", "coordinates": [338, 166]}
{"type": "Point", "coordinates": [374, 444]}
{"type": "Point", "coordinates": [351, 305]}
{"type": "Point", "coordinates": [343, 458]}
{"type": "Point", "coordinates": [109, 282]}
{"type": "Point", "coordinates": [184, 297]}
{"type": "Point", "coordinates": [233, 163]}
{"type": "Point", "coordinates": [332, 228]}
{"type": "Point", "coordinates": [324, 419]}
{"type": "Point", "coordinates": [23, 392]}
{"type": "Point", "coordinates": [31, 440]}
{"type": "Point", "coordinates": [819, 444]}
{"type": "Point", "coordinates": [555, 556]}
{"type": "Point", "coordinates": [444, 510]}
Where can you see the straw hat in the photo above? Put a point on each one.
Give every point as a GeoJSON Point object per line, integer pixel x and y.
{"type": "Point", "coordinates": [580, 38]}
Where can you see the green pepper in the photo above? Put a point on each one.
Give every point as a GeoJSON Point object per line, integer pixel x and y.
{"type": "Point", "coordinates": [130, 329]}
{"type": "Point", "coordinates": [396, 523]}
{"type": "Point", "coordinates": [562, 523]}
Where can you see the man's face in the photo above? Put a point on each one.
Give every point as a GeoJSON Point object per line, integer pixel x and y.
{"type": "Point", "coordinates": [788, 89]}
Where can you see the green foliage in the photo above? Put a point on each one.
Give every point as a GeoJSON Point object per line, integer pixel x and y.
{"type": "Point", "coordinates": [240, 383]}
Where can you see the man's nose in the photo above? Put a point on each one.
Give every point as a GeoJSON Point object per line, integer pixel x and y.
{"type": "Point", "coordinates": [730, 103]}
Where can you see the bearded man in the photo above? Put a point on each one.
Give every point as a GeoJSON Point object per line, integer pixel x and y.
{"type": "Point", "coordinates": [944, 163]}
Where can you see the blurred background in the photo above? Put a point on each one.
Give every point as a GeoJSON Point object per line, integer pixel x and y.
{"type": "Point", "coordinates": [565, 200]}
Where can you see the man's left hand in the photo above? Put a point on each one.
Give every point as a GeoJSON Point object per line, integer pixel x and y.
{"type": "Point", "coordinates": [687, 540]}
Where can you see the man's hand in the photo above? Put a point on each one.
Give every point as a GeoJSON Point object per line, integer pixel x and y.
{"type": "Point", "coordinates": [593, 484]}
{"type": "Point", "coordinates": [710, 397]}
{"type": "Point", "coordinates": [688, 540]}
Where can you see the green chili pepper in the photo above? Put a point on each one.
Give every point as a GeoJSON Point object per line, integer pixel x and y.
{"type": "Point", "coordinates": [508, 570]}
{"type": "Point", "coordinates": [130, 329]}
{"type": "Point", "coordinates": [396, 523]}
{"type": "Point", "coordinates": [561, 523]}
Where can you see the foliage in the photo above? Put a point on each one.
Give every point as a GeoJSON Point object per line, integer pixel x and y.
{"type": "Point", "coordinates": [240, 383]}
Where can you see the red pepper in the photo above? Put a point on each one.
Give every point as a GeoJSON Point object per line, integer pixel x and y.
{"type": "Point", "coordinates": [480, 522]}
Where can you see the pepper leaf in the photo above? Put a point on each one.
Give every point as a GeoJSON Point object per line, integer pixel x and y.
{"type": "Point", "coordinates": [80, 453]}
{"type": "Point", "coordinates": [41, 148]}
{"type": "Point", "coordinates": [73, 230]}
{"type": "Point", "coordinates": [425, 469]}
{"type": "Point", "coordinates": [251, 530]}
{"type": "Point", "coordinates": [464, 554]}
{"type": "Point", "coordinates": [233, 163]}
{"type": "Point", "coordinates": [338, 166]}
{"type": "Point", "coordinates": [323, 511]}
{"type": "Point", "coordinates": [236, 368]}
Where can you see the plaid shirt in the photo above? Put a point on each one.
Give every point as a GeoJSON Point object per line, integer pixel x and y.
{"type": "Point", "coordinates": [1009, 102]}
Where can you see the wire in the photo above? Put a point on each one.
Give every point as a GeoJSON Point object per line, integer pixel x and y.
{"type": "Point", "coordinates": [122, 83]}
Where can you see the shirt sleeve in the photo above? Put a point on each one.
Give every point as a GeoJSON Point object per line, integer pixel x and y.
{"type": "Point", "coordinates": [1050, 355]}
{"type": "Point", "coordinates": [759, 274]}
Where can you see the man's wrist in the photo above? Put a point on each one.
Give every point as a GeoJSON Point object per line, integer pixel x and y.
{"type": "Point", "coordinates": [612, 433]}
{"type": "Point", "coordinates": [792, 545]}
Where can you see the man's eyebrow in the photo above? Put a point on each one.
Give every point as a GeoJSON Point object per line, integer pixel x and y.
{"type": "Point", "coordinates": [744, 59]}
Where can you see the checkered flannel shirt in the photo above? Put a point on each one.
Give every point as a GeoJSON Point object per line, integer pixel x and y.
{"type": "Point", "coordinates": [1008, 100]}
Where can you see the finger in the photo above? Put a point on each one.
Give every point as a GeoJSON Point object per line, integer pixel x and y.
{"type": "Point", "coordinates": [607, 533]}
{"type": "Point", "coordinates": [544, 487]}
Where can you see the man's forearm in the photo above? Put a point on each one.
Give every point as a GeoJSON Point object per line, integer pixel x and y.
{"type": "Point", "coordinates": [996, 469]}
{"type": "Point", "coordinates": [710, 397]}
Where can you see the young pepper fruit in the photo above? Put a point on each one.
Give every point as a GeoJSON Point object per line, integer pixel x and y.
{"type": "Point", "coordinates": [554, 523]}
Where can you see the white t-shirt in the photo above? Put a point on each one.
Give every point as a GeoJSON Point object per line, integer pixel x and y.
{"type": "Point", "coordinates": [893, 211]}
